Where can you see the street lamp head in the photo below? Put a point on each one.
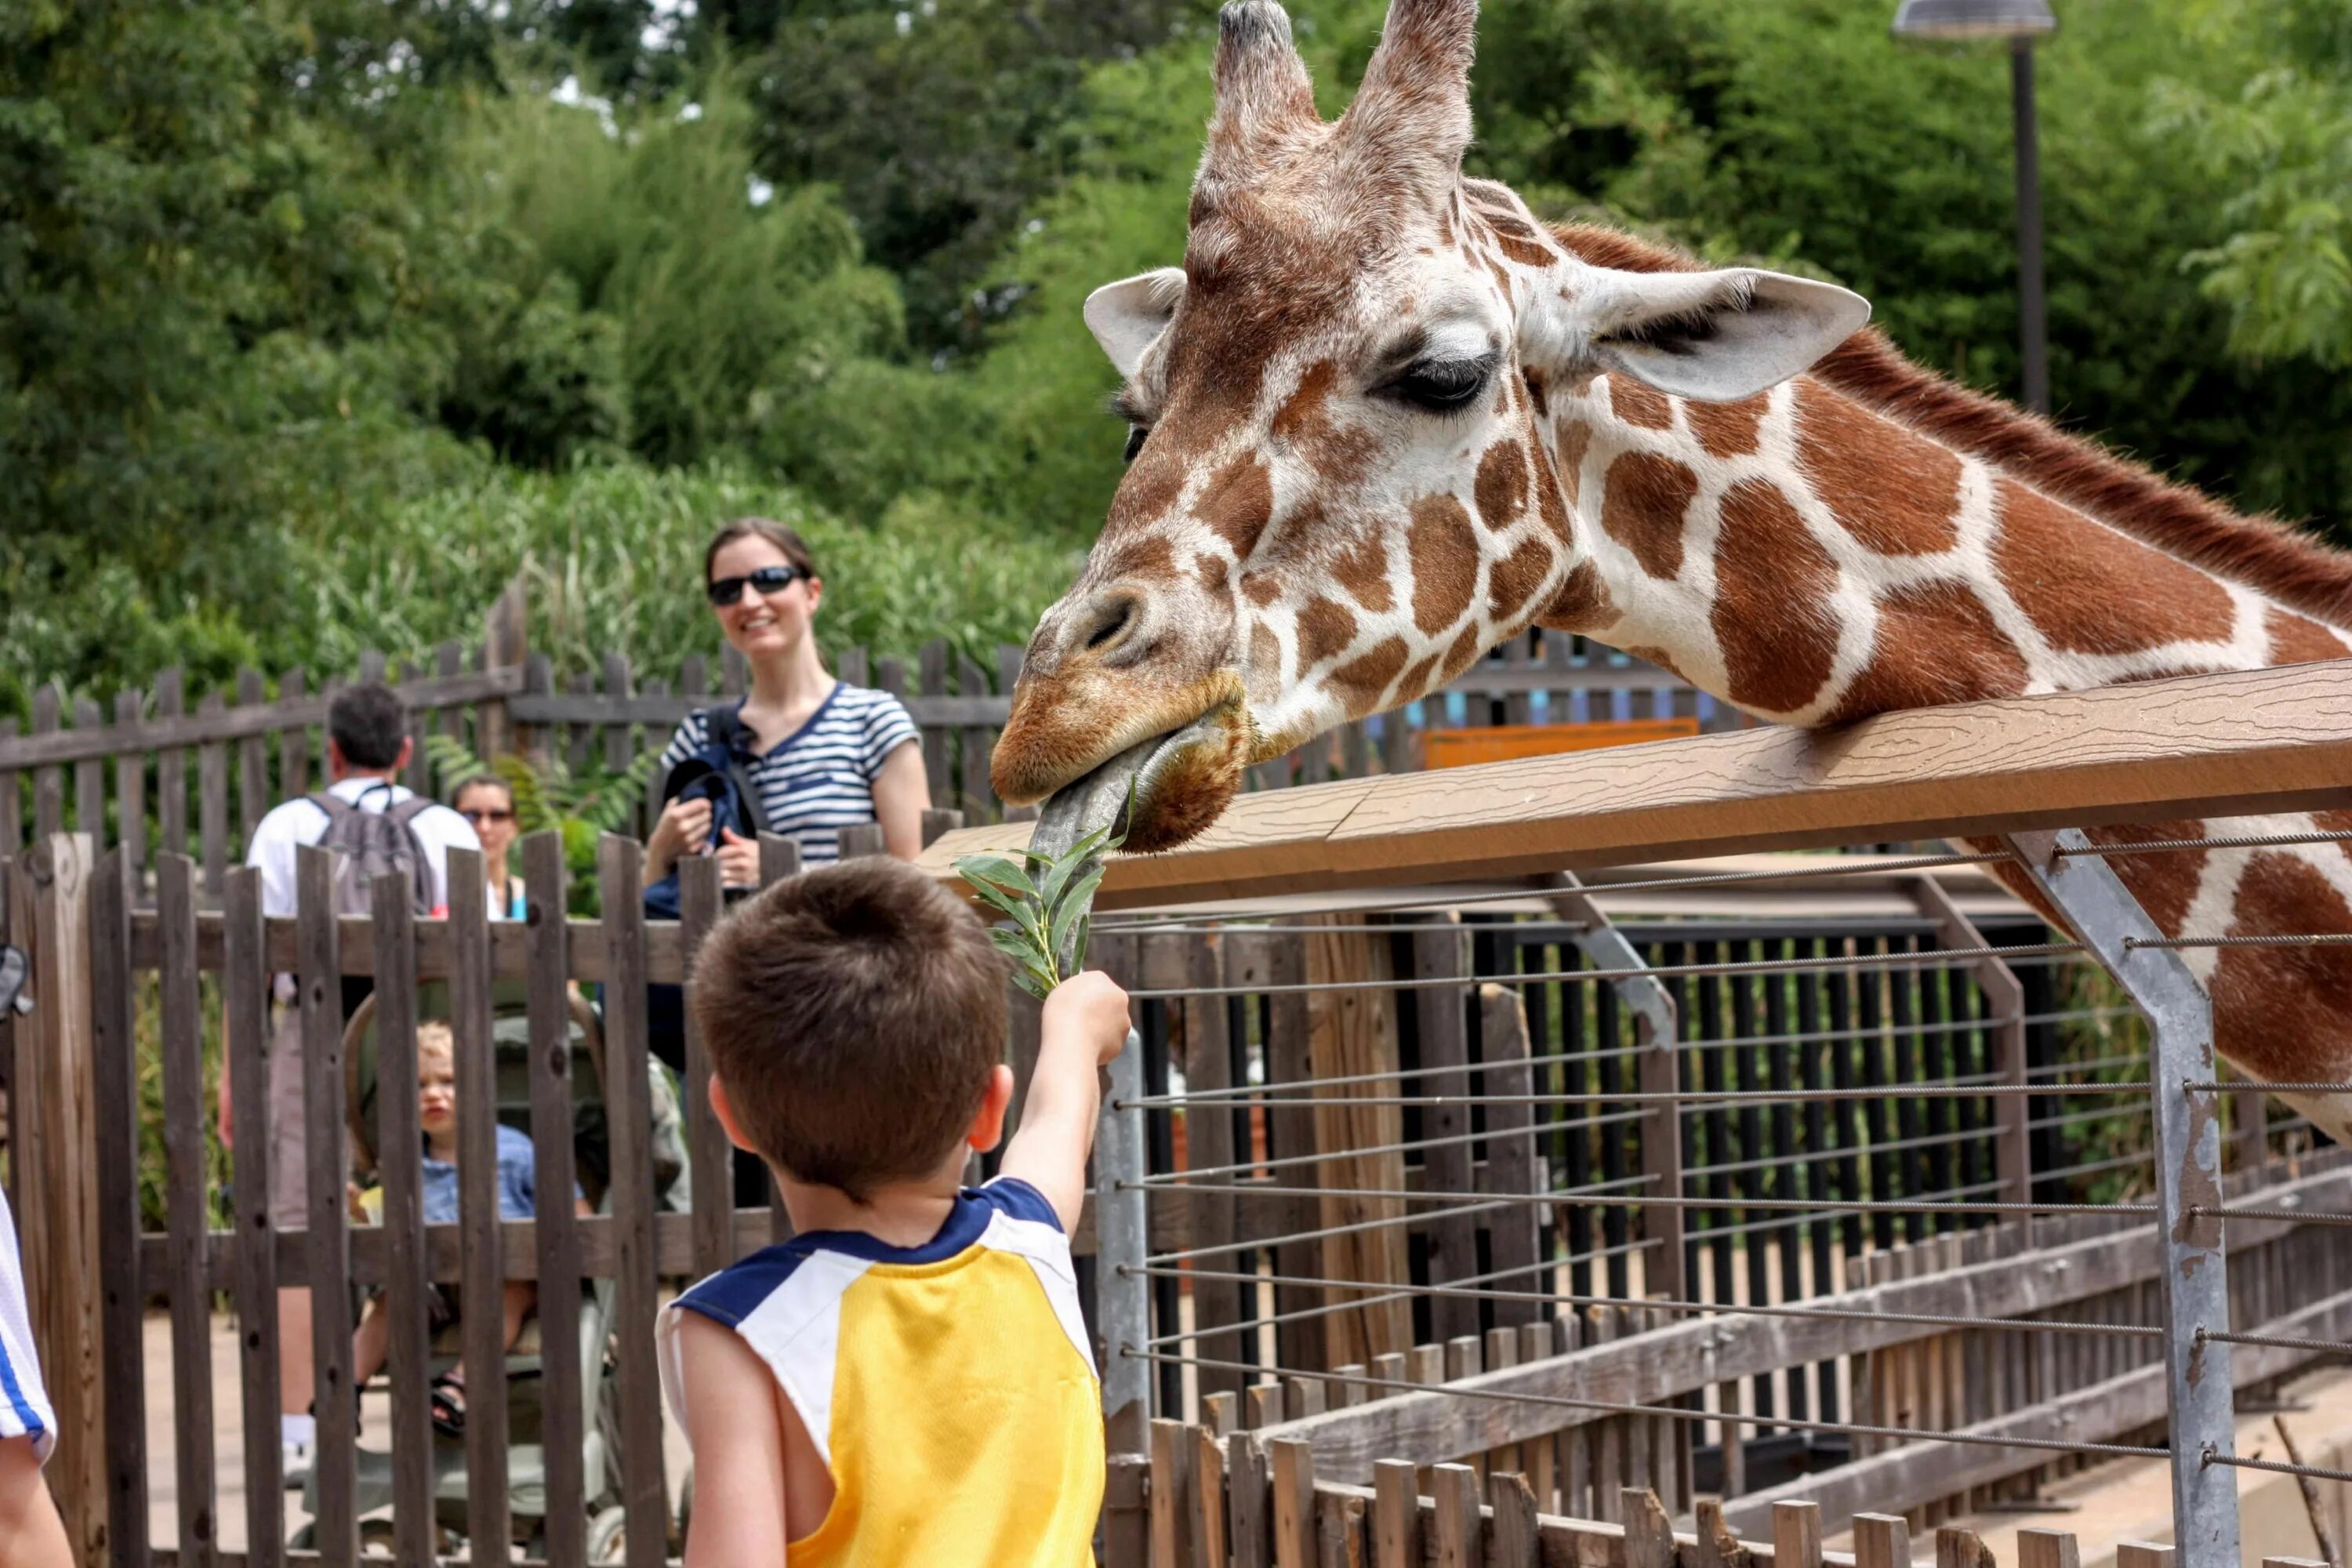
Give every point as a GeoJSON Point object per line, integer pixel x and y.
{"type": "Point", "coordinates": [1941, 19]}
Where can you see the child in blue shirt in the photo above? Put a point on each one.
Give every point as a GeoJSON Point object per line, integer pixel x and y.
{"type": "Point", "coordinates": [437, 1116]}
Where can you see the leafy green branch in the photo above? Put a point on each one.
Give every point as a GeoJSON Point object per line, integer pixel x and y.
{"type": "Point", "coordinates": [1049, 902]}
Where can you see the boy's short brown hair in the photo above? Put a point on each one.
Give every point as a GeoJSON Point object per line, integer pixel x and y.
{"type": "Point", "coordinates": [854, 1014]}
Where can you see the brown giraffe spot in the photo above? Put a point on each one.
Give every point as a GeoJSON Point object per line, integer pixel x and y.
{"type": "Point", "coordinates": [2090, 590]}
{"type": "Point", "coordinates": [1337, 455]}
{"type": "Point", "coordinates": [1503, 220]}
{"type": "Point", "coordinates": [1643, 501]}
{"type": "Point", "coordinates": [1238, 503]}
{"type": "Point", "coordinates": [1363, 569]}
{"type": "Point", "coordinates": [1502, 488]}
{"type": "Point", "coordinates": [1516, 576]}
{"type": "Point", "coordinates": [1771, 617]}
{"type": "Point", "coordinates": [1891, 488]}
{"type": "Point", "coordinates": [1465, 652]}
{"type": "Point", "coordinates": [1324, 628]}
{"type": "Point", "coordinates": [1535, 397]}
{"type": "Point", "coordinates": [1302, 412]}
{"type": "Point", "coordinates": [1444, 555]}
{"type": "Point", "coordinates": [1151, 558]}
{"type": "Point", "coordinates": [1368, 674]}
{"type": "Point", "coordinates": [1260, 587]}
{"type": "Point", "coordinates": [1265, 651]}
{"type": "Point", "coordinates": [1526, 252]}
{"type": "Point", "coordinates": [1636, 404]}
{"type": "Point", "coordinates": [1146, 491]}
{"type": "Point", "coordinates": [1575, 436]}
{"type": "Point", "coordinates": [1420, 678]}
{"type": "Point", "coordinates": [2286, 1013]}
{"type": "Point", "coordinates": [2335, 822]}
{"type": "Point", "coordinates": [1725, 429]}
{"type": "Point", "coordinates": [2297, 639]}
{"type": "Point", "coordinates": [1661, 658]}
{"type": "Point", "coordinates": [1502, 278]}
{"type": "Point", "coordinates": [1582, 604]}
{"type": "Point", "coordinates": [1937, 643]}
{"type": "Point", "coordinates": [2162, 883]}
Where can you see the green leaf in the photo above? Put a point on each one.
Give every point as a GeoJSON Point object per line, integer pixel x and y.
{"type": "Point", "coordinates": [997, 870]}
{"type": "Point", "coordinates": [1071, 919]}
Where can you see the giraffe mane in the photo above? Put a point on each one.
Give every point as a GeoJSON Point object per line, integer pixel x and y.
{"type": "Point", "coordinates": [2184, 522]}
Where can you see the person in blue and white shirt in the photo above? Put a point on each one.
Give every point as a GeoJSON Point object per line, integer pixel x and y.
{"type": "Point", "coordinates": [825, 754]}
{"type": "Point", "coordinates": [31, 1535]}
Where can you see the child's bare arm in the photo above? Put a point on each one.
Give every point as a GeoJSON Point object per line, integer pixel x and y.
{"type": "Point", "coordinates": [739, 1448]}
{"type": "Point", "coordinates": [1083, 1027]}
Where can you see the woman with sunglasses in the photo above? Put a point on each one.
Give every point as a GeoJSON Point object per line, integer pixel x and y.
{"type": "Point", "coordinates": [488, 805]}
{"type": "Point", "coordinates": [822, 754]}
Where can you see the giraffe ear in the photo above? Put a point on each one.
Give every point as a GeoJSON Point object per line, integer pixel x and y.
{"type": "Point", "coordinates": [1718, 336]}
{"type": "Point", "coordinates": [1128, 316]}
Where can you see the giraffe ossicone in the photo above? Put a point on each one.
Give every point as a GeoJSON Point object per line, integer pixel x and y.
{"type": "Point", "coordinates": [1382, 420]}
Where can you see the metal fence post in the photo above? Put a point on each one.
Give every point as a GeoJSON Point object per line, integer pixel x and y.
{"type": "Point", "coordinates": [1123, 1292]}
{"type": "Point", "coordinates": [2200, 1406]}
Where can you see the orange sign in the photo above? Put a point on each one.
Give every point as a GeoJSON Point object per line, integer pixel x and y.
{"type": "Point", "coordinates": [1506, 742]}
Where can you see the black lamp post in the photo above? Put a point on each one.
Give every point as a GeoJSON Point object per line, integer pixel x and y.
{"type": "Point", "coordinates": [2020, 22]}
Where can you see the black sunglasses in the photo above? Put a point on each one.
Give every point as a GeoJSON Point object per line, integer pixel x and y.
{"type": "Point", "coordinates": [725, 591]}
{"type": "Point", "coordinates": [483, 813]}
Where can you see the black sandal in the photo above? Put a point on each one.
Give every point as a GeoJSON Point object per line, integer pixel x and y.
{"type": "Point", "coordinates": [447, 1402]}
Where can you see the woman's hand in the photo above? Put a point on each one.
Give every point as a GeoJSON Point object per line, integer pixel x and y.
{"type": "Point", "coordinates": [739, 860]}
{"type": "Point", "coordinates": [684, 829]}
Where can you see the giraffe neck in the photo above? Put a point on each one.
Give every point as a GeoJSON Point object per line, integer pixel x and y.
{"type": "Point", "coordinates": [1813, 560]}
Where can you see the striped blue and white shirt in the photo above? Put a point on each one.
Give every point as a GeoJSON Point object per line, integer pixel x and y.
{"type": "Point", "coordinates": [24, 1408]}
{"type": "Point", "coordinates": [819, 779]}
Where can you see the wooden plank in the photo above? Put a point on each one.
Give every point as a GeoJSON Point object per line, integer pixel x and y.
{"type": "Point", "coordinates": [1293, 1504]}
{"type": "Point", "coordinates": [130, 798]}
{"type": "Point", "coordinates": [931, 665]}
{"type": "Point", "coordinates": [12, 800]}
{"type": "Point", "coordinates": [1171, 1516]}
{"type": "Point", "coordinates": [2038, 1548]}
{"type": "Point", "coordinates": [562, 1421]}
{"type": "Point", "coordinates": [1717, 1546]}
{"type": "Point", "coordinates": [185, 1195]}
{"type": "Point", "coordinates": [1884, 1540]}
{"type": "Point", "coordinates": [862, 838]}
{"type": "Point", "coordinates": [707, 1147]}
{"type": "Point", "coordinates": [2145, 1554]}
{"type": "Point", "coordinates": [1452, 1237]}
{"type": "Point", "coordinates": [1351, 1034]}
{"type": "Point", "coordinates": [1127, 1522]}
{"type": "Point", "coordinates": [628, 1101]}
{"type": "Point", "coordinates": [48, 782]}
{"type": "Point", "coordinates": [252, 758]}
{"type": "Point", "coordinates": [327, 1155]}
{"type": "Point", "coordinates": [1958, 1548]}
{"type": "Point", "coordinates": [1649, 1534]}
{"type": "Point", "coordinates": [212, 802]}
{"type": "Point", "coordinates": [293, 741]}
{"type": "Point", "coordinates": [1280, 959]}
{"type": "Point", "coordinates": [1797, 1535]}
{"type": "Point", "coordinates": [973, 747]}
{"type": "Point", "coordinates": [114, 1085]}
{"type": "Point", "coordinates": [1396, 1515]}
{"type": "Point", "coordinates": [1249, 1502]}
{"type": "Point", "coordinates": [1513, 1542]}
{"type": "Point", "coordinates": [244, 1019]}
{"type": "Point", "coordinates": [1514, 1235]}
{"type": "Point", "coordinates": [399, 1141]}
{"type": "Point", "coordinates": [171, 769]}
{"type": "Point", "coordinates": [1461, 1534]}
{"type": "Point", "coordinates": [482, 1265]}
{"type": "Point", "coordinates": [1178, 962]}
{"type": "Point", "coordinates": [2241, 743]}
{"type": "Point", "coordinates": [1209, 1547]}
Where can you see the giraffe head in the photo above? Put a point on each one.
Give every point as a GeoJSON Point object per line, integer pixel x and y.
{"type": "Point", "coordinates": [1336, 496]}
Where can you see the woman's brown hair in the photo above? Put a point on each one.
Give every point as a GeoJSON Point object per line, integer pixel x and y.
{"type": "Point", "coordinates": [795, 547]}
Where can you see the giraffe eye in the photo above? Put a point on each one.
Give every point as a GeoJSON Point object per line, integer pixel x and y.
{"type": "Point", "coordinates": [1136, 436]}
{"type": "Point", "coordinates": [1440, 386]}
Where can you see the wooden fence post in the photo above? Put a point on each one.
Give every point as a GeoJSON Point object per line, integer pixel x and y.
{"type": "Point", "coordinates": [505, 643]}
{"type": "Point", "coordinates": [57, 1181]}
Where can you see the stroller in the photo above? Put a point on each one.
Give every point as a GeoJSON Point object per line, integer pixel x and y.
{"type": "Point", "coordinates": [526, 1466]}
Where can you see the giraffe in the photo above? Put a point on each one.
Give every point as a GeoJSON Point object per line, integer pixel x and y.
{"type": "Point", "coordinates": [1382, 420]}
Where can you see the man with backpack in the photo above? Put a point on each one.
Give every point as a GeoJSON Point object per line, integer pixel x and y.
{"type": "Point", "coordinates": [373, 826]}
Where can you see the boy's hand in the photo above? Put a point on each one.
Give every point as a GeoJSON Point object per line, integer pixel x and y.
{"type": "Point", "coordinates": [1093, 1007]}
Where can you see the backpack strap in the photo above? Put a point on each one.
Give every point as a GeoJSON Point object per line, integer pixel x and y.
{"type": "Point", "coordinates": [725, 725]}
{"type": "Point", "coordinates": [409, 810]}
{"type": "Point", "coordinates": [334, 806]}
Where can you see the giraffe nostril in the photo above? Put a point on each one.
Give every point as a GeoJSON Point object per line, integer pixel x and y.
{"type": "Point", "coordinates": [1109, 621]}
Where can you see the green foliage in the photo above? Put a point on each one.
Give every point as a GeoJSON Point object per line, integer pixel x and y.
{"type": "Point", "coordinates": [1048, 902]}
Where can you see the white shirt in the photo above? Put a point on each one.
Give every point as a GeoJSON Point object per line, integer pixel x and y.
{"type": "Point", "coordinates": [24, 1406]}
{"type": "Point", "coordinates": [300, 822]}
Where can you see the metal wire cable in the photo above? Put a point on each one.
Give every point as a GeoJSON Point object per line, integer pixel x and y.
{"type": "Point", "coordinates": [2292, 1216]}
{"type": "Point", "coordinates": [1386, 1223]}
{"type": "Point", "coordinates": [1179, 1178]}
{"type": "Point", "coordinates": [1466, 1290]}
{"type": "Point", "coordinates": [2224, 841]}
{"type": "Point", "coordinates": [1670, 1411]}
{"type": "Point", "coordinates": [1388, 1292]}
{"type": "Point", "coordinates": [2276, 1341]}
{"type": "Point", "coordinates": [2268, 1088]}
{"type": "Point", "coordinates": [2316, 1472]}
{"type": "Point", "coordinates": [2303, 939]}
{"type": "Point", "coordinates": [1692, 1100]}
{"type": "Point", "coordinates": [1647, 972]}
{"type": "Point", "coordinates": [1483, 1200]}
{"type": "Point", "coordinates": [1235, 1093]}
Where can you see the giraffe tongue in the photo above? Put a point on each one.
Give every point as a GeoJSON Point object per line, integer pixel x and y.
{"type": "Point", "coordinates": [1099, 799]}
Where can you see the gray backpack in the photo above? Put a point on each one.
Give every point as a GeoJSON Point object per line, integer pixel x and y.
{"type": "Point", "coordinates": [367, 844]}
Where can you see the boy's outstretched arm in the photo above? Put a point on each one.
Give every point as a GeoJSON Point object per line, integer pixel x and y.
{"type": "Point", "coordinates": [1084, 1026]}
{"type": "Point", "coordinates": [731, 1419]}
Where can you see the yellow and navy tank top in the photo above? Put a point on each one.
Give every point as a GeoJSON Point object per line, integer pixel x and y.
{"type": "Point", "coordinates": [949, 1387]}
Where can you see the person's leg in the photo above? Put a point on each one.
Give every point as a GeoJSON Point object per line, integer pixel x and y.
{"type": "Point", "coordinates": [288, 1196]}
{"type": "Point", "coordinates": [515, 1305]}
{"type": "Point", "coordinates": [31, 1533]}
{"type": "Point", "coordinates": [372, 1344]}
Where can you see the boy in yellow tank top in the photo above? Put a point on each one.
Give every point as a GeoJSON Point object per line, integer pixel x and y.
{"type": "Point", "coordinates": [908, 1380]}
